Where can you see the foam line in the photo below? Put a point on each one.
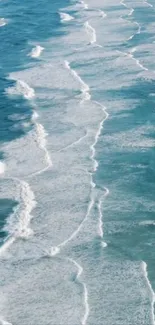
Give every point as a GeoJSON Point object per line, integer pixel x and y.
{"type": "Point", "coordinates": [17, 225]}
{"type": "Point", "coordinates": [85, 291]}
{"type": "Point", "coordinates": [3, 22]}
{"type": "Point", "coordinates": [84, 4]}
{"type": "Point", "coordinates": [36, 51]}
{"type": "Point", "coordinates": [91, 32]}
{"type": "Point", "coordinates": [148, 4]}
{"type": "Point", "coordinates": [144, 267]}
{"type": "Point", "coordinates": [131, 12]}
{"type": "Point", "coordinates": [74, 143]}
{"type": "Point", "coordinates": [21, 88]}
{"type": "Point", "coordinates": [84, 87]}
{"type": "Point", "coordinates": [92, 147]}
{"type": "Point", "coordinates": [100, 223]}
{"type": "Point", "coordinates": [4, 322]}
{"type": "Point", "coordinates": [6, 245]}
{"type": "Point", "coordinates": [2, 168]}
{"type": "Point", "coordinates": [65, 17]}
{"type": "Point", "coordinates": [102, 13]}
{"type": "Point", "coordinates": [130, 55]}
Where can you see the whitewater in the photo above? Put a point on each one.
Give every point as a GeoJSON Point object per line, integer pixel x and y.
{"type": "Point", "coordinates": [76, 164]}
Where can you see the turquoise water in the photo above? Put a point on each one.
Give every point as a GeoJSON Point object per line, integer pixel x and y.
{"type": "Point", "coordinates": [77, 162]}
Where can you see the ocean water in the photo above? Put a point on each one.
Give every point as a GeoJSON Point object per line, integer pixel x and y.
{"type": "Point", "coordinates": [77, 210]}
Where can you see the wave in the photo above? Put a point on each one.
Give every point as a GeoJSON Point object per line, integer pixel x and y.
{"type": "Point", "coordinates": [131, 12]}
{"type": "Point", "coordinates": [2, 167]}
{"type": "Point", "coordinates": [138, 32]}
{"type": "Point", "coordinates": [41, 135]}
{"type": "Point", "coordinates": [65, 17]}
{"type": "Point", "coordinates": [130, 55]}
{"type": "Point", "coordinates": [84, 87]}
{"type": "Point", "coordinates": [36, 51]}
{"type": "Point", "coordinates": [144, 267]}
{"type": "Point", "coordinates": [3, 22]}
{"type": "Point", "coordinates": [21, 88]}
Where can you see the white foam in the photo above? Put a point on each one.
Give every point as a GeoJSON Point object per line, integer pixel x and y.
{"type": "Point", "coordinates": [131, 12]}
{"type": "Point", "coordinates": [144, 267]}
{"type": "Point", "coordinates": [148, 4]}
{"type": "Point", "coordinates": [91, 32]}
{"type": "Point", "coordinates": [102, 13]}
{"type": "Point", "coordinates": [73, 143]}
{"type": "Point", "coordinates": [53, 251]}
{"type": "Point", "coordinates": [84, 87]}
{"type": "Point", "coordinates": [3, 22]}
{"type": "Point", "coordinates": [4, 322]}
{"type": "Point", "coordinates": [36, 51]}
{"type": "Point", "coordinates": [85, 291]}
{"type": "Point", "coordinates": [6, 245]}
{"type": "Point", "coordinates": [147, 223]}
{"type": "Point", "coordinates": [18, 223]}
{"type": "Point", "coordinates": [84, 4]}
{"type": "Point", "coordinates": [92, 147]}
{"type": "Point", "coordinates": [35, 115]}
{"type": "Point", "coordinates": [91, 203]}
{"type": "Point", "coordinates": [21, 88]}
{"type": "Point", "coordinates": [99, 206]}
{"type": "Point", "coordinates": [65, 17]}
{"type": "Point", "coordinates": [2, 167]}
{"type": "Point", "coordinates": [41, 135]}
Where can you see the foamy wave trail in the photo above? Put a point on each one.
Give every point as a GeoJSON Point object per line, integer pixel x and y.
{"type": "Point", "coordinates": [92, 147]}
{"type": "Point", "coordinates": [91, 32]}
{"type": "Point", "coordinates": [18, 224]}
{"type": "Point", "coordinates": [4, 322]}
{"type": "Point", "coordinates": [100, 223]}
{"type": "Point", "coordinates": [84, 4]}
{"type": "Point", "coordinates": [131, 12]}
{"type": "Point", "coordinates": [84, 87]}
{"type": "Point", "coordinates": [56, 249]}
{"type": "Point", "coordinates": [65, 17]}
{"type": "Point", "coordinates": [41, 135]}
{"type": "Point", "coordinates": [21, 88]}
{"type": "Point", "coordinates": [148, 4]}
{"type": "Point", "coordinates": [36, 51]}
{"type": "Point", "coordinates": [144, 267]}
{"type": "Point", "coordinates": [85, 291]}
{"type": "Point", "coordinates": [102, 13]}
{"type": "Point", "coordinates": [74, 143]}
{"type": "Point", "coordinates": [138, 31]}
{"type": "Point", "coordinates": [130, 55]}
{"type": "Point", "coordinates": [3, 22]}
{"type": "Point", "coordinates": [2, 168]}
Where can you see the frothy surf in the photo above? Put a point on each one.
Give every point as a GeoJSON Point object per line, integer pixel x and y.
{"type": "Point", "coordinates": [3, 22]}
{"type": "Point", "coordinates": [18, 223]}
{"type": "Point", "coordinates": [85, 291]}
{"type": "Point", "coordinates": [65, 17]}
{"type": "Point", "coordinates": [2, 168]}
{"type": "Point", "coordinates": [21, 88]}
{"type": "Point", "coordinates": [144, 267]}
{"type": "Point", "coordinates": [36, 51]}
{"type": "Point", "coordinates": [84, 87]}
{"type": "Point", "coordinates": [100, 223]}
{"type": "Point", "coordinates": [84, 4]}
{"type": "Point", "coordinates": [102, 13]}
{"type": "Point", "coordinates": [91, 32]}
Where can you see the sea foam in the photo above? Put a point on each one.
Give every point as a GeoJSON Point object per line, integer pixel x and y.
{"type": "Point", "coordinates": [65, 17]}
{"type": "Point", "coordinates": [2, 167]}
{"type": "Point", "coordinates": [21, 88]}
{"type": "Point", "coordinates": [36, 51]}
{"type": "Point", "coordinates": [3, 22]}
